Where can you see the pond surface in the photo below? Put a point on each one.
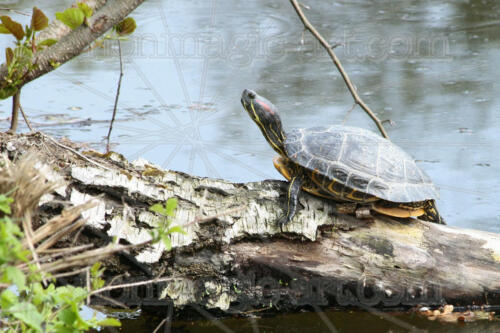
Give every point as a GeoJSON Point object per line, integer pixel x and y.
{"type": "Point", "coordinates": [328, 321]}
{"type": "Point", "coordinates": [431, 67]}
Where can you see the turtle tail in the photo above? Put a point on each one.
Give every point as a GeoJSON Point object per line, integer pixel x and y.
{"type": "Point", "coordinates": [431, 213]}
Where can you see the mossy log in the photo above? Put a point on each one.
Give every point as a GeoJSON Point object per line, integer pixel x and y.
{"type": "Point", "coordinates": [235, 259]}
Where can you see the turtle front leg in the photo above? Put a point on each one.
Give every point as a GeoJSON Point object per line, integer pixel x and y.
{"type": "Point", "coordinates": [292, 200]}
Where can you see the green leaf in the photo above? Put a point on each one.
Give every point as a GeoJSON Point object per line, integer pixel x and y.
{"type": "Point", "coordinates": [72, 17]}
{"type": "Point", "coordinates": [158, 208]}
{"type": "Point", "coordinates": [94, 270]}
{"type": "Point", "coordinates": [177, 229]}
{"type": "Point", "coordinates": [7, 299]}
{"type": "Point", "coordinates": [28, 32]}
{"type": "Point", "coordinates": [38, 20]}
{"type": "Point", "coordinates": [14, 275]}
{"type": "Point", "coordinates": [109, 322]}
{"type": "Point", "coordinates": [171, 205]}
{"type": "Point", "coordinates": [28, 314]}
{"type": "Point", "coordinates": [67, 316]}
{"type": "Point", "coordinates": [96, 273]}
{"type": "Point", "coordinates": [4, 200]}
{"type": "Point", "coordinates": [47, 42]}
{"type": "Point", "coordinates": [87, 11]}
{"type": "Point", "coordinates": [126, 27]}
{"type": "Point", "coordinates": [168, 243]}
{"type": "Point", "coordinates": [23, 55]}
{"type": "Point", "coordinates": [15, 28]}
{"type": "Point", "coordinates": [7, 92]}
{"type": "Point", "coordinates": [54, 64]}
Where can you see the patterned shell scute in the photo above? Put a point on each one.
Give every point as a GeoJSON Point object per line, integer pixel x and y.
{"type": "Point", "coordinates": [361, 160]}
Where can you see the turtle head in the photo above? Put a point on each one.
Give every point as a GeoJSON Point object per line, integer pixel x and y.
{"type": "Point", "coordinates": [266, 116]}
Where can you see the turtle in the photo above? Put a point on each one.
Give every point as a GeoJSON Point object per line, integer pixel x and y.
{"type": "Point", "coordinates": [344, 164]}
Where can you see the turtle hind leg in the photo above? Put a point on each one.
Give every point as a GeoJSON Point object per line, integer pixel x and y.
{"type": "Point", "coordinates": [431, 213]}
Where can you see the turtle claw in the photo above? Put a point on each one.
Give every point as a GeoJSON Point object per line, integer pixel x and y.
{"type": "Point", "coordinates": [283, 221]}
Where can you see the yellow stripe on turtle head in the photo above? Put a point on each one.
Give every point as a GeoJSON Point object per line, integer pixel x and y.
{"type": "Point", "coordinates": [264, 130]}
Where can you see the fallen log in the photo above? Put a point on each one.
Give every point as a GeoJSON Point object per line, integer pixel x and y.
{"type": "Point", "coordinates": [233, 257]}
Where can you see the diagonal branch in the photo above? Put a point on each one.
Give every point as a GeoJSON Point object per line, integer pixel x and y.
{"type": "Point", "coordinates": [337, 63]}
{"type": "Point", "coordinates": [73, 43]}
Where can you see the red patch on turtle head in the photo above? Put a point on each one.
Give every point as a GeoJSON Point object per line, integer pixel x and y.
{"type": "Point", "coordinates": [265, 106]}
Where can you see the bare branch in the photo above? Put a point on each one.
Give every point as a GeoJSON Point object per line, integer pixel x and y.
{"type": "Point", "coordinates": [117, 95]}
{"type": "Point", "coordinates": [337, 63]}
{"type": "Point", "coordinates": [26, 120]}
{"type": "Point", "coordinates": [133, 284]}
{"type": "Point", "coordinates": [74, 152]}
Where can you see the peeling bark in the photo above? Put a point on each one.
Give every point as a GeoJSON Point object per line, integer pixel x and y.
{"type": "Point", "coordinates": [235, 259]}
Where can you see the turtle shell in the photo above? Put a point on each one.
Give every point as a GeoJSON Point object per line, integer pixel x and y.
{"type": "Point", "coordinates": [360, 160]}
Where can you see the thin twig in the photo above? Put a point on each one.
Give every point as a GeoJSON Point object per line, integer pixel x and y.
{"type": "Point", "coordinates": [133, 284]}
{"type": "Point", "coordinates": [14, 11]}
{"type": "Point", "coordinates": [29, 239]}
{"type": "Point", "coordinates": [119, 276]}
{"type": "Point", "coordinates": [61, 233]}
{"type": "Point", "coordinates": [337, 63]}
{"type": "Point", "coordinates": [28, 123]}
{"type": "Point", "coordinates": [67, 216]}
{"type": "Point", "coordinates": [257, 310]}
{"type": "Point", "coordinates": [160, 325]}
{"type": "Point", "coordinates": [87, 278]}
{"type": "Point", "coordinates": [60, 275]}
{"type": "Point", "coordinates": [348, 114]}
{"type": "Point", "coordinates": [113, 301]}
{"type": "Point", "coordinates": [75, 152]}
{"type": "Point", "coordinates": [64, 250]}
{"type": "Point", "coordinates": [116, 97]}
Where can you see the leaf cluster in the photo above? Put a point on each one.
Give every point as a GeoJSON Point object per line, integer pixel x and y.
{"type": "Point", "coordinates": [19, 60]}
{"type": "Point", "coordinates": [165, 228]}
{"type": "Point", "coordinates": [75, 16]}
{"type": "Point", "coordinates": [29, 306]}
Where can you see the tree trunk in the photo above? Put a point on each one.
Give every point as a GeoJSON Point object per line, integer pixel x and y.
{"type": "Point", "coordinates": [234, 258]}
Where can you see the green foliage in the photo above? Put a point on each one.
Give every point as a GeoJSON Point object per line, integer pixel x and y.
{"type": "Point", "coordinates": [5, 201]}
{"type": "Point", "coordinates": [125, 27]}
{"type": "Point", "coordinates": [71, 17]}
{"type": "Point", "coordinates": [120, 31]}
{"type": "Point", "coordinates": [55, 64]}
{"type": "Point", "coordinates": [96, 273]}
{"type": "Point", "coordinates": [75, 16]}
{"type": "Point", "coordinates": [32, 307]}
{"type": "Point", "coordinates": [19, 60]}
{"type": "Point", "coordinates": [47, 42]}
{"type": "Point", "coordinates": [164, 229]}
{"type": "Point", "coordinates": [11, 249]}
{"type": "Point", "coordinates": [87, 11]}
{"type": "Point", "coordinates": [167, 210]}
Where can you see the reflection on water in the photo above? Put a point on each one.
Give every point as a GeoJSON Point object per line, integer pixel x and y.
{"type": "Point", "coordinates": [430, 67]}
{"type": "Point", "coordinates": [328, 321]}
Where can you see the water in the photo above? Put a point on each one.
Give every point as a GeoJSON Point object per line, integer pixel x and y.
{"type": "Point", "coordinates": [329, 321]}
{"type": "Point", "coordinates": [431, 67]}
